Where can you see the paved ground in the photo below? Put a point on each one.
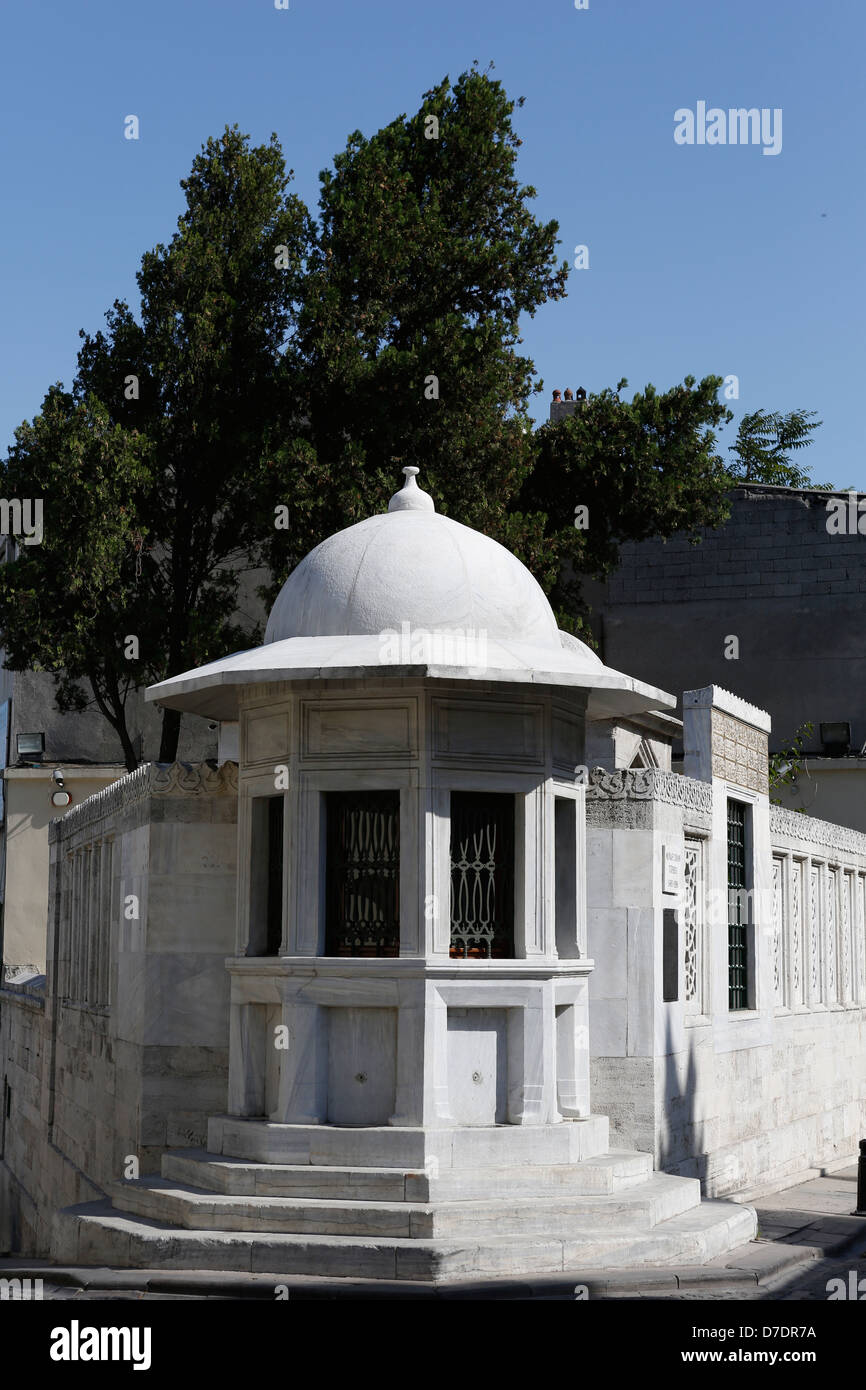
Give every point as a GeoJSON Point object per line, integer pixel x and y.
{"type": "Point", "coordinates": [806, 1237]}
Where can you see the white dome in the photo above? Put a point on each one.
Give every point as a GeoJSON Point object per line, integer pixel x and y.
{"type": "Point", "coordinates": [411, 569]}
{"type": "Point", "coordinates": [410, 565]}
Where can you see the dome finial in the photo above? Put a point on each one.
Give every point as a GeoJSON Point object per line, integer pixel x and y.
{"type": "Point", "coordinates": [410, 498]}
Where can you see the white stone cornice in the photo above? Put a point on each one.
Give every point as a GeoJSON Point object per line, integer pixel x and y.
{"type": "Point", "coordinates": [716, 697]}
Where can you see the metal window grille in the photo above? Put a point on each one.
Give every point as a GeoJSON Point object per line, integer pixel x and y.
{"type": "Point", "coordinates": [362, 874]}
{"type": "Point", "coordinates": [482, 875]}
{"type": "Point", "coordinates": [738, 963]}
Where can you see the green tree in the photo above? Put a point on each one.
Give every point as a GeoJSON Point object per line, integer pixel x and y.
{"type": "Point", "coordinates": [640, 468]}
{"type": "Point", "coordinates": [787, 766]}
{"type": "Point", "coordinates": [278, 361]}
{"type": "Point", "coordinates": [426, 256]}
{"type": "Point", "coordinates": [764, 444]}
{"type": "Point", "coordinates": [60, 601]}
{"type": "Point", "coordinates": [203, 380]}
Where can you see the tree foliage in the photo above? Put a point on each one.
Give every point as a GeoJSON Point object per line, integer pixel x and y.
{"type": "Point", "coordinates": [787, 766]}
{"type": "Point", "coordinates": [60, 600]}
{"type": "Point", "coordinates": [193, 389]}
{"type": "Point", "coordinates": [765, 443]}
{"type": "Point", "coordinates": [282, 360]}
{"type": "Point", "coordinates": [426, 256]}
{"type": "Point", "coordinates": [645, 467]}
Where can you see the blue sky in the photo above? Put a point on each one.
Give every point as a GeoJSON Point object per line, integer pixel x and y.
{"type": "Point", "coordinates": [702, 258]}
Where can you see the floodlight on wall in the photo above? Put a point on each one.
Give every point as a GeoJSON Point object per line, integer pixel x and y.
{"type": "Point", "coordinates": [836, 739]}
{"type": "Point", "coordinates": [30, 745]}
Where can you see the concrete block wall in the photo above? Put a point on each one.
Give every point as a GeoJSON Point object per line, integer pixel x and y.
{"type": "Point", "coordinates": [776, 544]}
{"type": "Point", "coordinates": [773, 576]}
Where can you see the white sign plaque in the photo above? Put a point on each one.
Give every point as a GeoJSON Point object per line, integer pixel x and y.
{"type": "Point", "coordinates": [672, 869]}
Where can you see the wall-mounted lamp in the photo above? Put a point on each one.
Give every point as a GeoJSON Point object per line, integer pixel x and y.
{"type": "Point", "coordinates": [61, 797]}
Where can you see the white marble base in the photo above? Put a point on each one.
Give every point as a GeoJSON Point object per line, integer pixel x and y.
{"type": "Point", "coordinates": [388, 1146]}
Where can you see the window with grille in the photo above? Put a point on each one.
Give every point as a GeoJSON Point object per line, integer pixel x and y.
{"type": "Point", "coordinates": [693, 927]}
{"type": "Point", "coordinates": [482, 876]}
{"type": "Point", "coordinates": [362, 896]}
{"type": "Point", "coordinates": [738, 914]}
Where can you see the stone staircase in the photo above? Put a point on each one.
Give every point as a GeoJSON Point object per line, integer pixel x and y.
{"type": "Point", "coordinates": [411, 1204]}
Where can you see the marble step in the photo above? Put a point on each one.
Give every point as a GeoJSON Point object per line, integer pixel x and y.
{"type": "Point", "coordinates": [610, 1172]}
{"type": "Point", "coordinates": [641, 1208]}
{"type": "Point", "coordinates": [393, 1146]}
{"type": "Point", "coordinates": [95, 1234]}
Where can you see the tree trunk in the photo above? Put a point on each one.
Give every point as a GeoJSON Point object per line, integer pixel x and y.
{"type": "Point", "coordinates": [129, 754]}
{"type": "Point", "coordinates": [115, 713]}
{"type": "Point", "coordinates": [170, 735]}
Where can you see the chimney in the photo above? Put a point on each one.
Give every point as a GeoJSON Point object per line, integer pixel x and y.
{"type": "Point", "coordinates": [559, 408]}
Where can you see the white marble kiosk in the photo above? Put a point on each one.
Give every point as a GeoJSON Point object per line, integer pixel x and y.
{"type": "Point", "coordinates": [411, 834]}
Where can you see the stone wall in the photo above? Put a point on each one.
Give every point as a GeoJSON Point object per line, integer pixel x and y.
{"type": "Point", "coordinates": [745, 1100]}
{"type": "Point", "coordinates": [630, 814]}
{"type": "Point", "coordinates": [122, 1050]}
{"type": "Point", "coordinates": [750, 1120]}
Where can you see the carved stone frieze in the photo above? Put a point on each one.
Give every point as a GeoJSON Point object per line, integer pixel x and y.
{"type": "Point", "coordinates": [151, 779]}
{"type": "Point", "coordinates": [649, 784]}
{"type": "Point", "coordinates": [839, 839]}
{"type": "Point", "coordinates": [620, 814]}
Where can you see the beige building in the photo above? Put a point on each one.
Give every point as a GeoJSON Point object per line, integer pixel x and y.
{"type": "Point", "coordinates": [29, 811]}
